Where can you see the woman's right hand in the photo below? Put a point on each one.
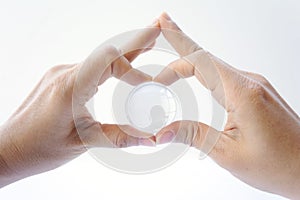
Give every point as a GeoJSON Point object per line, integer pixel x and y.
{"type": "Point", "coordinates": [261, 141]}
{"type": "Point", "coordinates": [53, 125]}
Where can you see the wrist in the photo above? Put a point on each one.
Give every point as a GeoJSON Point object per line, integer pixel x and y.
{"type": "Point", "coordinates": [293, 170]}
{"type": "Point", "coordinates": [7, 154]}
{"type": "Point", "coordinates": [6, 175]}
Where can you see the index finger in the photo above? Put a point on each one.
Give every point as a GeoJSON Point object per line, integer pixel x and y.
{"type": "Point", "coordinates": [182, 44]}
{"type": "Point", "coordinates": [143, 41]}
{"type": "Point", "coordinates": [194, 61]}
{"type": "Point", "coordinates": [108, 61]}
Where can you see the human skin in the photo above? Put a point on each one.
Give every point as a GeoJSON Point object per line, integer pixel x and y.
{"type": "Point", "coordinates": [260, 143]}
{"type": "Point", "coordinates": [41, 135]}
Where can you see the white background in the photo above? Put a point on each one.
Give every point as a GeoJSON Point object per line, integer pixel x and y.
{"type": "Point", "coordinates": [253, 35]}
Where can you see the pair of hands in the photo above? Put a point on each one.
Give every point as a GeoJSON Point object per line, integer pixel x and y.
{"type": "Point", "coordinates": [260, 143]}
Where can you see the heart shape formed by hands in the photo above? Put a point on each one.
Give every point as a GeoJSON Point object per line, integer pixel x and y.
{"type": "Point", "coordinates": [105, 62]}
{"type": "Point", "coordinates": [260, 136]}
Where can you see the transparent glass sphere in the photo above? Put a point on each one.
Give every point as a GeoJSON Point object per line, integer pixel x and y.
{"type": "Point", "coordinates": [150, 106]}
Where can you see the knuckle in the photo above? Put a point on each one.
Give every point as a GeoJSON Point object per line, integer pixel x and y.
{"type": "Point", "coordinates": [51, 72]}
{"type": "Point", "coordinates": [263, 79]}
{"type": "Point", "coordinates": [56, 69]}
{"type": "Point", "coordinates": [190, 133]}
{"type": "Point", "coordinates": [59, 80]}
{"type": "Point", "coordinates": [110, 54]}
{"type": "Point", "coordinates": [64, 82]}
{"type": "Point", "coordinates": [255, 89]}
{"type": "Point", "coordinates": [117, 70]}
{"type": "Point", "coordinates": [111, 50]}
{"type": "Point", "coordinates": [258, 77]}
{"type": "Point", "coordinates": [257, 93]}
{"type": "Point", "coordinates": [182, 68]}
{"type": "Point", "coordinates": [121, 141]}
{"type": "Point", "coordinates": [194, 47]}
{"type": "Point", "coordinates": [200, 132]}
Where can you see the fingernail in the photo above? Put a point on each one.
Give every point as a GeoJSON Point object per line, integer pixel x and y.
{"type": "Point", "coordinates": [166, 16]}
{"type": "Point", "coordinates": [146, 142]}
{"type": "Point", "coordinates": [166, 137]}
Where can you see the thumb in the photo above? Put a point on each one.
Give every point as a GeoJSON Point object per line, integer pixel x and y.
{"type": "Point", "coordinates": [194, 134]}
{"type": "Point", "coordinates": [94, 134]}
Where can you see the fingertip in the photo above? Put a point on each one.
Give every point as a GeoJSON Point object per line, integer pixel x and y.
{"type": "Point", "coordinates": [147, 78]}
{"type": "Point", "coordinates": [150, 142]}
{"type": "Point", "coordinates": [166, 134]}
{"type": "Point", "coordinates": [165, 15]}
{"type": "Point", "coordinates": [166, 22]}
{"type": "Point", "coordinates": [165, 137]}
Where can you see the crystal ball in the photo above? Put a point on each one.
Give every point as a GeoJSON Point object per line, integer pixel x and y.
{"type": "Point", "coordinates": [150, 106]}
